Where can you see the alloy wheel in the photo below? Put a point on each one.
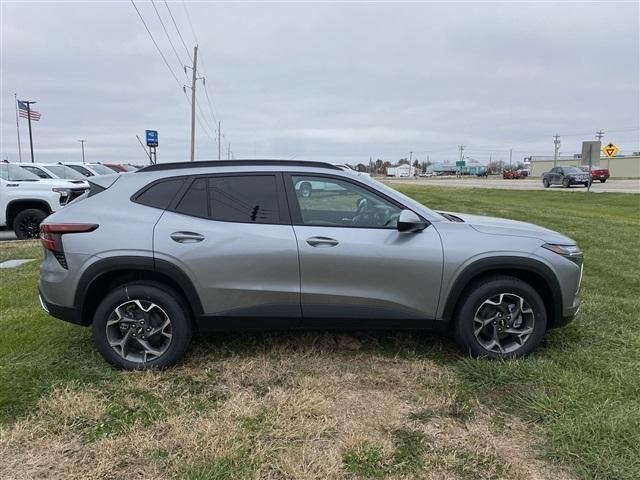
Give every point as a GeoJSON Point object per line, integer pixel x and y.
{"type": "Point", "coordinates": [30, 226]}
{"type": "Point", "coordinates": [139, 331]}
{"type": "Point", "coordinates": [503, 323]}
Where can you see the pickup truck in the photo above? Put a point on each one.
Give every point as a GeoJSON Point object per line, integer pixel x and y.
{"type": "Point", "coordinates": [26, 199]}
{"type": "Point", "coordinates": [601, 174]}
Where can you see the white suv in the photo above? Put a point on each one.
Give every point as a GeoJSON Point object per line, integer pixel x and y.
{"type": "Point", "coordinates": [26, 199]}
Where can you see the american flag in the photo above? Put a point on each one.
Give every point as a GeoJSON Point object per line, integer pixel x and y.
{"type": "Point", "coordinates": [24, 112]}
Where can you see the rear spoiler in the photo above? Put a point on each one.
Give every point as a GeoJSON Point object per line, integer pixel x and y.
{"type": "Point", "coordinates": [103, 181]}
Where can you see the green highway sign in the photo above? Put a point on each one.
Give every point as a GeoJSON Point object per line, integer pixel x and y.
{"type": "Point", "coordinates": [460, 163]}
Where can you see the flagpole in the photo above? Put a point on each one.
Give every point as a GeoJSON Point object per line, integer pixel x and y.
{"type": "Point", "coordinates": [28, 104]}
{"type": "Point", "coordinates": [18, 127]}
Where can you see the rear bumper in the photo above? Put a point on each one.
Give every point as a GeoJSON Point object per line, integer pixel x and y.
{"type": "Point", "coordinates": [68, 314]}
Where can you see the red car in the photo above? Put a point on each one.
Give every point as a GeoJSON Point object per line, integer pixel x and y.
{"type": "Point", "coordinates": [597, 173]}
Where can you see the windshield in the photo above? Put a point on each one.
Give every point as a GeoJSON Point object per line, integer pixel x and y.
{"type": "Point", "coordinates": [15, 173]}
{"type": "Point", "coordinates": [82, 170]}
{"type": "Point", "coordinates": [67, 173]}
{"type": "Point", "coordinates": [101, 169]}
{"type": "Point", "coordinates": [572, 170]}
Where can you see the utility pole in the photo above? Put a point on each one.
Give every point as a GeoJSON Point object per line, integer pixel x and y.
{"type": "Point", "coordinates": [28, 104]}
{"type": "Point", "coordinates": [599, 134]}
{"type": "Point", "coordinates": [219, 144]}
{"type": "Point", "coordinates": [461, 148]}
{"type": "Point", "coordinates": [18, 128]}
{"type": "Point", "coordinates": [510, 157]}
{"type": "Point", "coordinates": [82, 142]}
{"type": "Point", "coordinates": [194, 79]}
{"type": "Point", "coordinates": [556, 145]}
{"type": "Point", "coordinates": [410, 163]}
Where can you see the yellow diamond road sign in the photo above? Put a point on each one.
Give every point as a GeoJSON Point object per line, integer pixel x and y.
{"type": "Point", "coordinates": [610, 150]}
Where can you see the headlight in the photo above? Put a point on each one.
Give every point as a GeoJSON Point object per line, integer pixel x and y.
{"type": "Point", "coordinates": [571, 252]}
{"type": "Point", "coordinates": [64, 194]}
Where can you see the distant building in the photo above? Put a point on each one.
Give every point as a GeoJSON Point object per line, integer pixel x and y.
{"type": "Point", "coordinates": [621, 166]}
{"type": "Point", "coordinates": [401, 171]}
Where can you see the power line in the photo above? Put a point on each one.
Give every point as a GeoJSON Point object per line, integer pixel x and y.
{"type": "Point", "coordinates": [186, 49]}
{"type": "Point", "coordinates": [180, 62]}
{"type": "Point", "coordinates": [156, 44]}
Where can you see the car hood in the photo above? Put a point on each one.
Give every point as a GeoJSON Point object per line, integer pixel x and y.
{"type": "Point", "coordinates": [503, 226]}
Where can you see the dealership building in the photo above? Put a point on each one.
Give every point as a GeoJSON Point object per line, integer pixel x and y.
{"type": "Point", "coordinates": [620, 166]}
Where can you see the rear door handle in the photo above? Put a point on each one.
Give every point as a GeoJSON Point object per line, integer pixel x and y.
{"type": "Point", "coordinates": [322, 242]}
{"type": "Point", "coordinates": [186, 237]}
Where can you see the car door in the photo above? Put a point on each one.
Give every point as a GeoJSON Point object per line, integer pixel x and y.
{"type": "Point", "coordinates": [354, 264]}
{"type": "Point", "coordinates": [231, 234]}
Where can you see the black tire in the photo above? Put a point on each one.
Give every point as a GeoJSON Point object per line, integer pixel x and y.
{"type": "Point", "coordinates": [27, 223]}
{"type": "Point", "coordinates": [602, 180]}
{"type": "Point", "coordinates": [566, 183]}
{"type": "Point", "coordinates": [586, 184]}
{"type": "Point", "coordinates": [474, 297]}
{"type": "Point", "coordinates": [545, 183]}
{"type": "Point", "coordinates": [147, 292]}
{"type": "Point", "coordinates": [305, 189]}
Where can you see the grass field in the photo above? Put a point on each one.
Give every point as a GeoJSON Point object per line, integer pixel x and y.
{"type": "Point", "coordinates": [328, 405]}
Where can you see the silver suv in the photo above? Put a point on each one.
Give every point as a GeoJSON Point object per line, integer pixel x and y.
{"type": "Point", "coordinates": [148, 258]}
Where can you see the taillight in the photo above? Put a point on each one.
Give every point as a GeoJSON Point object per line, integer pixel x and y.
{"type": "Point", "coordinates": [51, 237]}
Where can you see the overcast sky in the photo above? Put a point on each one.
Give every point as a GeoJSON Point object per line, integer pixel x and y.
{"type": "Point", "coordinates": [334, 81]}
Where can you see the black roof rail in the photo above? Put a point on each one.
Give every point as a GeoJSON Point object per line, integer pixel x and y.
{"type": "Point", "coordinates": [235, 163]}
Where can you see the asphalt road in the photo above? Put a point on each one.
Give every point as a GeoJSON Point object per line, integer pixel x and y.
{"type": "Point", "coordinates": [611, 186]}
{"type": "Point", "coordinates": [7, 235]}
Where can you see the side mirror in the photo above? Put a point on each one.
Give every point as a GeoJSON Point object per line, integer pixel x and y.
{"type": "Point", "coordinates": [410, 222]}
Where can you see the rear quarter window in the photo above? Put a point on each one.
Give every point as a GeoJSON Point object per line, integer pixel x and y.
{"type": "Point", "coordinates": [160, 194]}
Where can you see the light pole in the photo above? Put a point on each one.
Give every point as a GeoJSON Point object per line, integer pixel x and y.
{"type": "Point", "coordinates": [82, 142]}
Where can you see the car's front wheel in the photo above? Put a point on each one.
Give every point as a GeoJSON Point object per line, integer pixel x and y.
{"type": "Point", "coordinates": [500, 317]}
{"type": "Point", "coordinates": [545, 183]}
{"type": "Point", "coordinates": [566, 183]}
{"type": "Point", "coordinates": [27, 223]}
{"type": "Point", "coordinates": [602, 180]}
{"type": "Point", "coordinates": [142, 325]}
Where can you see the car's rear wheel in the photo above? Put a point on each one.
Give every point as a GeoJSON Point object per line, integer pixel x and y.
{"type": "Point", "coordinates": [545, 183]}
{"type": "Point", "coordinates": [500, 317]}
{"type": "Point", "coordinates": [566, 183]}
{"type": "Point", "coordinates": [27, 223]}
{"type": "Point", "coordinates": [142, 325]}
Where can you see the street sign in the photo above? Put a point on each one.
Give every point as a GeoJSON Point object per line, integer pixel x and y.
{"type": "Point", "coordinates": [460, 163]}
{"type": "Point", "coordinates": [152, 138]}
{"type": "Point", "coordinates": [610, 150]}
{"type": "Point", "coordinates": [590, 153]}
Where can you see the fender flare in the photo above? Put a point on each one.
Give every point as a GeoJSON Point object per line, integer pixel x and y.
{"type": "Point", "coordinates": [505, 264]}
{"type": "Point", "coordinates": [133, 264]}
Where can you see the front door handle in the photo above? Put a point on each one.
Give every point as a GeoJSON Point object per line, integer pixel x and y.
{"type": "Point", "coordinates": [186, 237]}
{"type": "Point", "coordinates": [322, 242]}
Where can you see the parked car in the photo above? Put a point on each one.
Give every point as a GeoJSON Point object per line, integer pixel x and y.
{"type": "Point", "coordinates": [235, 245]}
{"type": "Point", "coordinates": [26, 199]}
{"type": "Point", "coordinates": [55, 170]}
{"type": "Point", "coordinates": [515, 174]}
{"type": "Point", "coordinates": [565, 176]}
{"type": "Point", "coordinates": [601, 174]}
{"type": "Point", "coordinates": [89, 169]}
{"type": "Point", "coordinates": [121, 167]}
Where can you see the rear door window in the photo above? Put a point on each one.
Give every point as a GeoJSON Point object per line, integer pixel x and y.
{"type": "Point", "coordinates": [244, 198]}
{"type": "Point", "coordinates": [194, 201]}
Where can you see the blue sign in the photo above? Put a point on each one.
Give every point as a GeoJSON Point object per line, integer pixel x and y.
{"type": "Point", "coordinates": [152, 138]}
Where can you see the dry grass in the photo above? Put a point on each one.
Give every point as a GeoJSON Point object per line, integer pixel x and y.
{"type": "Point", "coordinates": [295, 409]}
